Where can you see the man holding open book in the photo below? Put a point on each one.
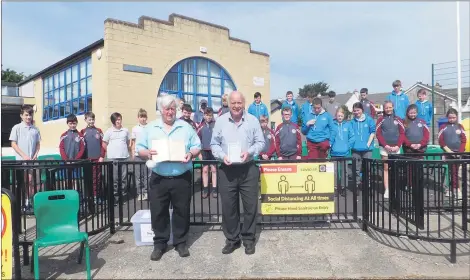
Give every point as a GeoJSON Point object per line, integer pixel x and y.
{"type": "Point", "coordinates": [236, 138]}
{"type": "Point", "coordinates": [170, 143]}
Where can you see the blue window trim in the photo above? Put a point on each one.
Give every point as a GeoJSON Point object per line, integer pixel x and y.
{"type": "Point", "coordinates": [49, 107]}
{"type": "Point", "coordinates": [180, 93]}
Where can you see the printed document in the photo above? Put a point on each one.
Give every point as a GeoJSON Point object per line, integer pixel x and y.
{"type": "Point", "coordinates": [234, 152]}
{"type": "Point", "coordinates": [168, 150]}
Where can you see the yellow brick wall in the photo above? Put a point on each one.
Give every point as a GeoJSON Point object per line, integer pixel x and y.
{"type": "Point", "coordinates": [51, 130]}
{"type": "Point", "coordinates": [160, 45]}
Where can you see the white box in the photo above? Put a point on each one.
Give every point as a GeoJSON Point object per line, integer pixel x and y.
{"type": "Point", "coordinates": [143, 233]}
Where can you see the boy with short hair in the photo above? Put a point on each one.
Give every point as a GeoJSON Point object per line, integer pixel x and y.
{"type": "Point", "coordinates": [187, 111]}
{"type": "Point", "coordinates": [368, 106]}
{"type": "Point", "coordinates": [288, 139]}
{"type": "Point", "coordinates": [257, 108]}
{"type": "Point", "coordinates": [291, 103]}
{"type": "Point", "coordinates": [138, 172]}
{"type": "Point", "coordinates": [72, 147]}
{"type": "Point", "coordinates": [318, 128]}
{"type": "Point", "coordinates": [94, 150]}
{"type": "Point", "coordinates": [116, 141]}
{"type": "Point", "coordinates": [425, 108]}
{"type": "Point", "coordinates": [269, 138]}
{"type": "Point", "coordinates": [25, 140]}
{"type": "Point", "coordinates": [399, 100]}
{"type": "Point", "coordinates": [332, 105]}
{"type": "Point", "coordinates": [205, 134]}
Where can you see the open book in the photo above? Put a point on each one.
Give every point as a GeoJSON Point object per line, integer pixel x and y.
{"type": "Point", "coordinates": [168, 150]}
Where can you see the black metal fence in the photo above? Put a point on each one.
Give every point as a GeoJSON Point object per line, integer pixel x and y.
{"type": "Point", "coordinates": [133, 180]}
{"type": "Point", "coordinates": [90, 179]}
{"type": "Point", "coordinates": [428, 198]}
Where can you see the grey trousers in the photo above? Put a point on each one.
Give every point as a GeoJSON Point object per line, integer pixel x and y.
{"type": "Point", "coordinates": [116, 176]}
{"type": "Point", "coordinates": [358, 156]}
{"type": "Point", "coordinates": [141, 174]}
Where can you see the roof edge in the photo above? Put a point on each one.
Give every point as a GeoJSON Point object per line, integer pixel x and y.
{"type": "Point", "coordinates": [171, 22]}
{"type": "Point", "coordinates": [64, 61]}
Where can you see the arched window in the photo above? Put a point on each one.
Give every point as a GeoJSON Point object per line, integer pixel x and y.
{"type": "Point", "coordinates": [198, 78]}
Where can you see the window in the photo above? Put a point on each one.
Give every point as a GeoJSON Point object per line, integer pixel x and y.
{"type": "Point", "coordinates": [198, 78]}
{"type": "Point", "coordinates": [68, 91]}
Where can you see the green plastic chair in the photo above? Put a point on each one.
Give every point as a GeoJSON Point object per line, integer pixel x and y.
{"type": "Point", "coordinates": [57, 223]}
{"type": "Point", "coordinates": [436, 149]}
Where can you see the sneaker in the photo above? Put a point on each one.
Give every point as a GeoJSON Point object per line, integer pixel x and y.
{"type": "Point", "coordinates": [386, 194]}
{"type": "Point", "coordinates": [144, 196]}
{"type": "Point", "coordinates": [205, 192]}
{"type": "Point", "coordinates": [97, 200]}
{"type": "Point", "coordinates": [447, 193]}
{"type": "Point", "coordinates": [214, 192]}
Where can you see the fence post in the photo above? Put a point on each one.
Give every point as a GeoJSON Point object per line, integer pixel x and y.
{"type": "Point", "coordinates": [432, 89]}
{"type": "Point", "coordinates": [111, 198]}
{"type": "Point", "coordinates": [355, 189]}
{"type": "Point", "coordinates": [365, 192]}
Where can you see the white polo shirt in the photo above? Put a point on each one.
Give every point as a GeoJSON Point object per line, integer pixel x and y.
{"type": "Point", "coordinates": [118, 142]}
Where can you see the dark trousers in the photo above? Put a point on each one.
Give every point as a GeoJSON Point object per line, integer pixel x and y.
{"type": "Point", "coordinates": [235, 181]}
{"type": "Point", "coordinates": [318, 150]}
{"type": "Point", "coordinates": [359, 156]}
{"type": "Point", "coordinates": [162, 191]}
{"type": "Point", "coordinates": [96, 173]}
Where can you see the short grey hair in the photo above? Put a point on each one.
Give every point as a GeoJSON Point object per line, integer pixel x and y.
{"type": "Point", "coordinates": [165, 100]}
{"type": "Point", "coordinates": [235, 91]}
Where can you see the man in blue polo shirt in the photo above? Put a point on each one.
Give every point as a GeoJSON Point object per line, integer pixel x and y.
{"type": "Point", "coordinates": [170, 181]}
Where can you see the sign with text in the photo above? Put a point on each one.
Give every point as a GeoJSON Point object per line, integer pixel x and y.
{"type": "Point", "coordinates": [7, 238]}
{"type": "Point", "coordinates": [297, 188]}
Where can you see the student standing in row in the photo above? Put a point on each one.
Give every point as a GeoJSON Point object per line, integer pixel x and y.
{"type": "Point", "coordinates": [257, 108]}
{"type": "Point", "coordinates": [332, 105]}
{"type": "Point", "coordinates": [294, 107]}
{"type": "Point", "coordinates": [140, 174]}
{"type": "Point", "coordinates": [307, 107]}
{"type": "Point", "coordinates": [399, 100]}
{"type": "Point", "coordinates": [269, 138]}
{"type": "Point", "coordinates": [224, 109]}
{"type": "Point", "coordinates": [391, 135]}
{"type": "Point", "coordinates": [368, 106]}
{"type": "Point", "coordinates": [416, 132]}
{"type": "Point", "coordinates": [318, 128]}
{"type": "Point", "coordinates": [72, 147]}
{"type": "Point", "coordinates": [452, 139]}
{"type": "Point", "coordinates": [205, 134]}
{"type": "Point", "coordinates": [288, 139]}
{"type": "Point", "coordinates": [341, 144]}
{"type": "Point", "coordinates": [94, 151]}
{"type": "Point", "coordinates": [364, 133]}
{"type": "Point", "coordinates": [425, 108]}
{"type": "Point", "coordinates": [25, 140]}
{"type": "Point", "coordinates": [198, 116]}
{"type": "Point", "coordinates": [117, 144]}
{"type": "Point", "coordinates": [187, 111]}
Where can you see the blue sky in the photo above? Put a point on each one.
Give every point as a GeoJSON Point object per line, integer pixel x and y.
{"type": "Point", "coordinates": [348, 45]}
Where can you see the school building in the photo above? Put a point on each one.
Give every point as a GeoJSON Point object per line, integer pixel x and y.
{"type": "Point", "coordinates": [134, 62]}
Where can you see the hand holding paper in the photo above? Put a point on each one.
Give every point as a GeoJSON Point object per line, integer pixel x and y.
{"type": "Point", "coordinates": [168, 150]}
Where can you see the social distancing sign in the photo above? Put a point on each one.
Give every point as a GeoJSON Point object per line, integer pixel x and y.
{"type": "Point", "coordinates": [297, 188]}
{"type": "Point", "coordinates": [7, 238]}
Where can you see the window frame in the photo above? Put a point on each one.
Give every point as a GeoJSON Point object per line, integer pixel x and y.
{"type": "Point", "coordinates": [60, 80]}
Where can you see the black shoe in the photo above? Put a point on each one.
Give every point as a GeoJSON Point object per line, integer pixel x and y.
{"type": "Point", "coordinates": [157, 254]}
{"type": "Point", "coordinates": [182, 250]}
{"type": "Point", "coordinates": [229, 248]}
{"type": "Point", "coordinates": [249, 249]}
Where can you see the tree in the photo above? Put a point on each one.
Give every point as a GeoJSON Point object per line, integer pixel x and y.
{"type": "Point", "coordinates": [12, 76]}
{"type": "Point", "coordinates": [314, 89]}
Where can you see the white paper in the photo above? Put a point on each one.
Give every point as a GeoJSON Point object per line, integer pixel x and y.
{"type": "Point", "coordinates": [258, 81]}
{"type": "Point", "coordinates": [234, 152]}
{"type": "Point", "coordinates": [146, 233]}
{"type": "Point", "coordinates": [168, 150]}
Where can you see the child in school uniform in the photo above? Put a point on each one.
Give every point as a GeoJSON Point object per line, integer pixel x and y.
{"type": "Point", "coordinates": [288, 138]}
{"type": "Point", "coordinates": [452, 139]}
{"type": "Point", "coordinates": [205, 134]}
{"type": "Point", "coordinates": [72, 146]}
{"type": "Point", "coordinates": [140, 170]}
{"type": "Point", "coordinates": [94, 151]}
{"type": "Point", "coordinates": [341, 143]}
{"type": "Point", "coordinates": [416, 132]}
{"type": "Point", "coordinates": [391, 135]}
{"type": "Point", "coordinates": [224, 109]}
{"type": "Point", "coordinates": [269, 138]}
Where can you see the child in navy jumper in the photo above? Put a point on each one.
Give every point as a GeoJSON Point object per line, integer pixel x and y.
{"type": "Point", "coordinates": [288, 138]}
{"type": "Point", "coordinates": [416, 132]}
{"type": "Point", "coordinates": [72, 146]}
{"type": "Point", "coordinates": [205, 134]}
{"type": "Point", "coordinates": [341, 143]}
{"type": "Point", "coordinates": [452, 139]}
{"type": "Point", "coordinates": [318, 128]}
{"type": "Point", "coordinates": [391, 135]}
{"type": "Point", "coordinates": [270, 147]}
{"type": "Point", "coordinates": [364, 132]}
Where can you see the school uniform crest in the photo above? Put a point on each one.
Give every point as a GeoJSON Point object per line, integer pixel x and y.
{"type": "Point", "coordinates": [97, 136]}
{"type": "Point", "coordinates": [77, 139]}
{"type": "Point", "coordinates": [345, 129]}
{"type": "Point", "coordinates": [420, 125]}
{"type": "Point", "coordinates": [323, 119]}
{"type": "Point", "coordinates": [269, 136]}
{"type": "Point", "coordinates": [365, 125]}
{"type": "Point", "coordinates": [395, 122]}
{"type": "Point", "coordinates": [293, 130]}
{"type": "Point", "coordinates": [458, 131]}
{"type": "Point", "coordinates": [367, 104]}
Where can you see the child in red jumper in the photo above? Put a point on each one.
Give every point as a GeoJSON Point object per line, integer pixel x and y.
{"type": "Point", "coordinates": [270, 146]}
{"type": "Point", "coordinates": [72, 145]}
{"type": "Point", "coordinates": [288, 139]}
{"type": "Point", "coordinates": [452, 139]}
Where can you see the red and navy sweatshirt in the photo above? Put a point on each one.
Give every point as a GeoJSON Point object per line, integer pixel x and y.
{"type": "Point", "coordinates": [288, 140]}
{"type": "Point", "coordinates": [93, 137]}
{"type": "Point", "coordinates": [205, 134]}
{"type": "Point", "coordinates": [416, 132]}
{"type": "Point", "coordinates": [453, 136]}
{"type": "Point", "coordinates": [72, 145]}
{"type": "Point", "coordinates": [390, 131]}
{"type": "Point", "coordinates": [270, 148]}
